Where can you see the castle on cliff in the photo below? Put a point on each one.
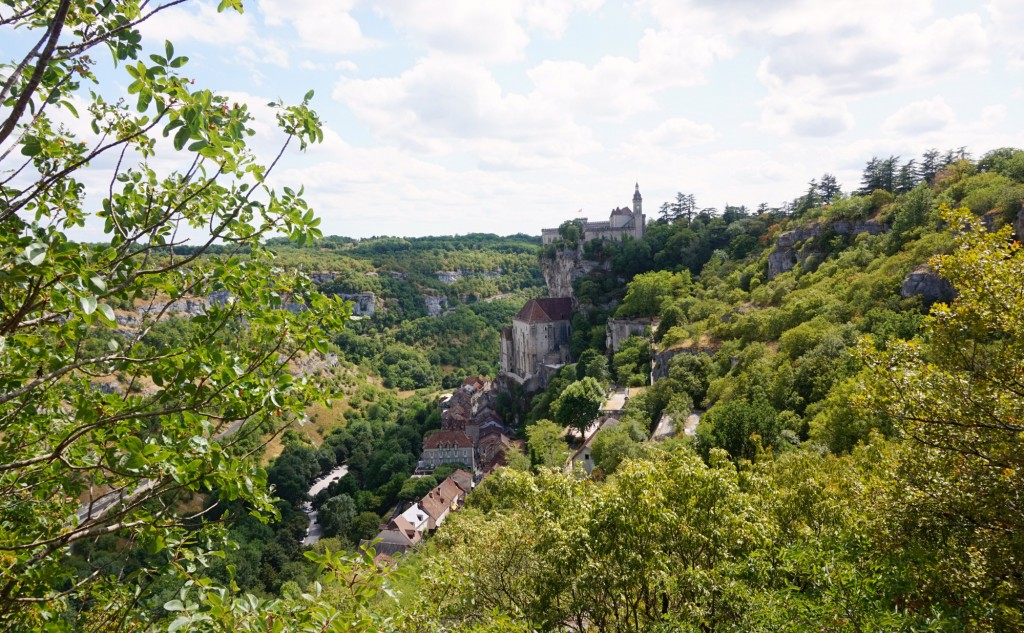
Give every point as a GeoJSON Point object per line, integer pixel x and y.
{"type": "Point", "coordinates": [621, 222]}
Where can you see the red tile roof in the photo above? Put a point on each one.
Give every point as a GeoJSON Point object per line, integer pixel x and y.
{"type": "Point", "coordinates": [438, 439]}
{"type": "Point", "coordinates": [546, 309]}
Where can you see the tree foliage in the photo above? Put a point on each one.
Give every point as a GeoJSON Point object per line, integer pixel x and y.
{"type": "Point", "coordinates": [579, 404]}
{"type": "Point", "coordinates": [956, 399]}
{"type": "Point", "coordinates": [116, 438]}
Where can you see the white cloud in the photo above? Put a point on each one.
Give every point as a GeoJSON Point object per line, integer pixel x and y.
{"type": "Point", "coordinates": [201, 22]}
{"type": "Point", "coordinates": [486, 31]}
{"type": "Point", "coordinates": [1007, 25]}
{"type": "Point", "coordinates": [617, 87]}
{"type": "Point", "coordinates": [552, 16]}
{"type": "Point", "coordinates": [818, 57]}
{"type": "Point", "coordinates": [327, 27]}
{"type": "Point", "coordinates": [442, 106]}
{"type": "Point", "coordinates": [994, 114]}
{"type": "Point", "coordinates": [509, 116]}
{"type": "Point", "coordinates": [920, 117]}
{"type": "Point", "coordinates": [483, 31]}
{"type": "Point", "coordinates": [804, 115]}
{"type": "Point", "coordinates": [677, 133]}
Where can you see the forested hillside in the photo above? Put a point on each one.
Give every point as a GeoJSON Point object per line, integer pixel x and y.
{"type": "Point", "coordinates": [405, 342]}
{"type": "Point", "coordinates": [858, 462]}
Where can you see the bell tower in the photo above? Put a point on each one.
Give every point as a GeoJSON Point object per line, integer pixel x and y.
{"type": "Point", "coordinates": [637, 201]}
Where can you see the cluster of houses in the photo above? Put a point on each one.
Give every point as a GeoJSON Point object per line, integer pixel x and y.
{"type": "Point", "coordinates": [472, 435]}
{"type": "Point", "coordinates": [472, 432]}
{"type": "Point", "coordinates": [406, 530]}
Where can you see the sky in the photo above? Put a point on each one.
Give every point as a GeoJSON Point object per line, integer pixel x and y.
{"type": "Point", "coordinates": [507, 116]}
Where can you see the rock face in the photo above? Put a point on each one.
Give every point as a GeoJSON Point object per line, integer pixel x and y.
{"type": "Point", "coordinates": [786, 254]}
{"type": "Point", "coordinates": [435, 304]}
{"type": "Point", "coordinates": [1018, 225]}
{"type": "Point", "coordinates": [363, 303]}
{"type": "Point", "coordinates": [567, 266]}
{"type": "Point", "coordinates": [924, 282]}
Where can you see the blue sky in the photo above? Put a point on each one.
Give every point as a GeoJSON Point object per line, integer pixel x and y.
{"type": "Point", "coordinates": [508, 116]}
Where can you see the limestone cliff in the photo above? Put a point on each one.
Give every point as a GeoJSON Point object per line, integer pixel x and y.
{"type": "Point", "coordinates": [567, 266]}
{"type": "Point", "coordinates": [792, 247]}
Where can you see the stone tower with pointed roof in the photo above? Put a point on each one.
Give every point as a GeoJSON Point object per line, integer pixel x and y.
{"type": "Point", "coordinates": [538, 340]}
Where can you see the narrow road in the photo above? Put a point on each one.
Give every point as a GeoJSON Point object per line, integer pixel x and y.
{"type": "Point", "coordinates": [315, 531]}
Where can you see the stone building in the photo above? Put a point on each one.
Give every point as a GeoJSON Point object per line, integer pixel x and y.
{"type": "Point", "coordinates": [538, 338]}
{"type": "Point", "coordinates": [618, 330]}
{"type": "Point", "coordinates": [448, 447]}
{"type": "Point", "coordinates": [622, 221]}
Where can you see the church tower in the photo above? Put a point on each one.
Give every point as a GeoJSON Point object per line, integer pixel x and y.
{"type": "Point", "coordinates": [639, 222]}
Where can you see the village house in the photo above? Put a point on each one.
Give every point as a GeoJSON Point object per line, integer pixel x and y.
{"type": "Point", "coordinates": [442, 500]}
{"type": "Point", "coordinates": [417, 518]}
{"type": "Point", "coordinates": [463, 480]}
{"type": "Point", "coordinates": [447, 447]}
{"type": "Point", "coordinates": [621, 222]}
{"type": "Point", "coordinates": [397, 536]}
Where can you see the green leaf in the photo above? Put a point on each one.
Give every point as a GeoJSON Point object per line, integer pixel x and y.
{"type": "Point", "coordinates": [35, 253]}
{"type": "Point", "coordinates": [178, 622]}
{"type": "Point", "coordinates": [30, 146]}
{"type": "Point", "coordinates": [309, 95]}
{"type": "Point", "coordinates": [230, 4]}
{"type": "Point", "coordinates": [180, 138]}
{"type": "Point", "coordinates": [88, 303]}
{"type": "Point", "coordinates": [107, 312]}
{"type": "Point", "coordinates": [145, 96]}
{"type": "Point", "coordinates": [168, 49]}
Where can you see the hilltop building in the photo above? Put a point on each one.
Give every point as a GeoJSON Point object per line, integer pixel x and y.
{"type": "Point", "coordinates": [538, 340]}
{"type": "Point", "coordinates": [622, 221]}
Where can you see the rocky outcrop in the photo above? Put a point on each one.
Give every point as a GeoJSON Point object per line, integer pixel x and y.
{"type": "Point", "coordinates": [925, 283]}
{"type": "Point", "coordinates": [435, 304]}
{"type": "Point", "coordinates": [322, 277]}
{"type": "Point", "coordinates": [363, 303]}
{"type": "Point", "coordinates": [662, 358]}
{"type": "Point", "coordinates": [567, 266]}
{"type": "Point", "coordinates": [849, 227]}
{"type": "Point", "coordinates": [190, 307]}
{"type": "Point", "coordinates": [1018, 225]}
{"type": "Point", "coordinates": [790, 249]}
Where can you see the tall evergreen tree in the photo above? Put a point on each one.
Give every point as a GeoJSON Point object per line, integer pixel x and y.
{"type": "Point", "coordinates": [828, 188]}
{"type": "Point", "coordinates": [931, 163]}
